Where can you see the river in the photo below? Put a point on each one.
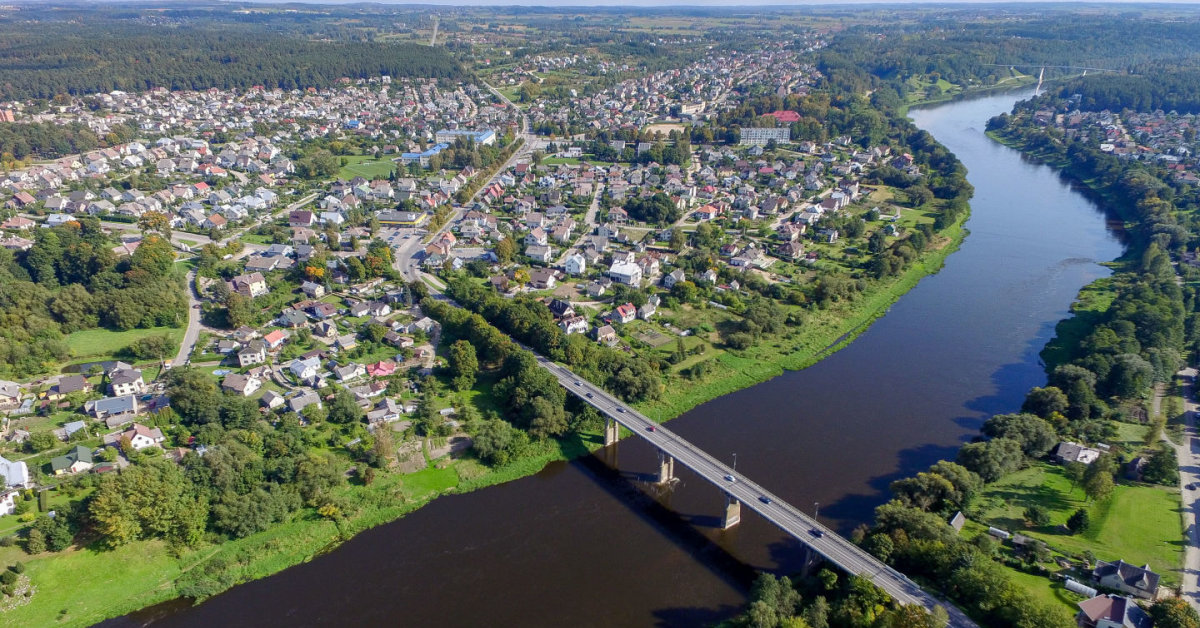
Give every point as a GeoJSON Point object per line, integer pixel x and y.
{"type": "Point", "coordinates": [583, 545]}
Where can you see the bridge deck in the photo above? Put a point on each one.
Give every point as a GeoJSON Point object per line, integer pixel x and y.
{"type": "Point", "coordinates": [837, 550]}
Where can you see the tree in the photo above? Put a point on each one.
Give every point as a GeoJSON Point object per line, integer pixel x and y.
{"type": "Point", "coordinates": [505, 250]}
{"type": "Point", "coordinates": [1162, 467]}
{"type": "Point", "coordinates": [992, 459]}
{"type": "Point", "coordinates": [1079, 521]}
{"type": "Point", "coordinates": [155, 221]}
{"type": "Point", "coordinates": [464, 364]}
{"type": "Point", "coordinates": [496, 442]}
{"type": "Point", "coordinates": [154, 347]}
{"type": "Point", "coordinates": [1174, 612]}
{"type": "Point", "coordinates": [772, 601]}
{"type": "Point", "coordinates": [35, 541]}
{"type": "Point", "coordinates": [1037, 516]}
{"type": "Point", "coordinates": [1099, 486]}
{"type": "Point", "coordinates": [1035, 435]}
{"type": "Point", "coordinates": [1044, 402]}
{"type": "Point", "coordinates": [344, 409]}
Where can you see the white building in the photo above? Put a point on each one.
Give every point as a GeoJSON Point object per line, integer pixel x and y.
{"type": "Point", "coordinates": [626, 272]}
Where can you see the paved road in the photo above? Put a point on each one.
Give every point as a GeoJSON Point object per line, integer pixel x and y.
{"type": "Point", "coordinates": [837, 550]}
{"type": "Point", "coordinates": [192, 333]}
{"type": "Point", "coordinates": [1188, 453]}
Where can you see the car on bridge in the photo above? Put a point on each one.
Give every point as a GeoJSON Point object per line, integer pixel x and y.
{"type": "Point", "coordinates": [650, 429]}
{"type": "Point", "coordinates": [817, 532]}
{"type": "Point", "coordinates": [764, 499]}
{"type": "Point", "coordinates": [730, 478]}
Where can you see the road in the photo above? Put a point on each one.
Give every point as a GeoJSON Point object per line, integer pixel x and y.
{"type": "Point", "coordinates": [405, 253]}
{"type": "Point", "coordinates": [1188, 453]}
{"type": "Point", "coordinates": [192, 333]}
{"type": "Point", "coordinates": [589, 223]}
{"type": "Point", "coordinates": [837, 550]}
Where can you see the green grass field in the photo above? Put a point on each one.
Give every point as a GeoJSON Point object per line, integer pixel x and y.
{"type": "Point", "coordinates": [1139, 523]}
{"type": "Point", "coordinates": [367, 166]}
{"type": "Point", "coordinates": [105, 343]}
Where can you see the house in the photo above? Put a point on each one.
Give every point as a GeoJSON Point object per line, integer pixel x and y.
{"type": "Point", "coordinates": [275, 339]}
{"type": "Point", "coordinates": [626, 313]}
{"type": "Point", "coordinates": [1112, 611]}
{"type": "Point", "coordinates": [126, 381]}
{"type": "Point", "coordinates": [670, 279]}
{"type": "Point", "coordinates": [346, 342]}
{"type": "Point", "coordinates": [626, 272]}
{"type": "Point", "coordinates": [606, 335]}
{"type": "Point", "coordinates": [140, 437]}
{"type": "Point", "coordinates": [77, 460]}
{"type": "Point", "coordinates": [574, 325]}
{"type": "Point", "coordinates": [302, 401]}
{"type": "Point", "coordinates": [290, 318]}
{"type": "Point", "coordinates": [1127, 578]}
{"type": "Point", "coordinates": [542, 279]}
{"type": "Point", "coordinates": [540, 253]}
{"type": "Point", "coordinates": [244, 385]}
{"type": "Point", "coordinates": [305, 369]}
{"type": "Point", "coordinates": [649, 308]}
{"type": "Point", "coordinates": [349, 372]}
{"type": "Point", "coordinates": [272, 400]}
{"type": "Point", "coordinates": [16, 474]}
{"type": "Point", "coordinates": [254, 353]}
{"type": "Point", "coordinates": [575, 264]}
{"type": "Point", "coordinates": [1074, 452]}
{"type": "Point", "coordinates": [598, 287]}
{"type": "Point", "coordinates": [561, 308]}
{"type": "Point", "coordinates": [301, 218]}
{"type": "Point", "coordinates": [312, 289]}
{"type": "Point", "coordinates": [383, 368]}
{"type": "Point", "coordinates": [10, 394]}
{"type": "Point", "coordinates": [66, 385]}
{"type": "Point", "coordinates": [125, 406]}
{"type": "Point", "coordinates": [251, 285]}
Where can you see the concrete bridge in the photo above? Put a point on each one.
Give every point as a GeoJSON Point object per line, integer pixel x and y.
{"type": "Point", "coordinates": [739, 491]}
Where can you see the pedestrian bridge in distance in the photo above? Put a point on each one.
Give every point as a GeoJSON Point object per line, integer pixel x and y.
{"type": "Point", "coordinates": [740, 491]}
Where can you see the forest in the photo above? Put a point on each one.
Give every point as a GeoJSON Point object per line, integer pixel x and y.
{"type": "Point", "coordinates": [70, 280]}
{"type": "Point", "coordinates": [1152, 88]}
{"type": "Point", "coordinates": [108, 54]}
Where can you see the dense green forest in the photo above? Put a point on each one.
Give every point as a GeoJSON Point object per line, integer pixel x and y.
{"type": "Point", "coordinates": [71, 280]}
{"type": "Point", "coordinates": [49, 141]}
{"type": "Point", "coordinates": [976, 52]}
{"type": "Point", "coordinates": [104, 55]}
{"type": "Point", "coordinates": [1153, 88]}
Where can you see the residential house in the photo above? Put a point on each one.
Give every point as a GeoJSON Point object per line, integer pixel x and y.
{"type": "Point", "coordinates": [649, 308]}
{"type": "Point", "coordinates": [244, 385]}
{"type": "Point", "coordinates": [575, 264]}
{"type": "Point", "coordinates": [670, 279]}
{"type": "Point", "coordinates": [10, 394]}
{"type": "Point", "coordinates": [561, 308]}
{"type": "Point", "coordinates": [540, 253]}
{"type": "Point", "coordinates": [574, 325]}
{"type": "Point", "coordinates": [302, 401]}
{"type": "Point", "coordinates": [305, 369]}
{"type": "Point", "coordinates": [272, 400]}
{"type": "Point", "coordinates": [542, 279]}
{"type": "Point", "coordinates": [626, 313]}
{"type": "Point", "coordinates": [250, 285]}
{"type": "Point", "coordinates": [126, 381]}
{"type": "Point", "coordinates": [626, 272]}
{"type": "Point", "coordinates": [113, 408]}
{"type": "Point", "coordinates": [77, 460]}
{"type": "Point", "coordinates": [1112, 611]}
{"type": "Point", "coordinates": [275, 339]}
{"type": "Point", "coordinates": [16, 474]}
{"type": "Point", "coordinates": [140, 437]}
{"type": "Point", "coordinates": [1127, 578]}
{"type": "Point", "coordinates": [312, 289]}
{"type": "Point", "coordinates": [254, 353]}
{"type": "Point", "coordinates": [605, 334]}
{"type": "Point", "coordinates": [1074, 452]}
{"type": "Point", "coordinates": [66, 385]}
{"type": "Point", "coordinates": [349, 372]}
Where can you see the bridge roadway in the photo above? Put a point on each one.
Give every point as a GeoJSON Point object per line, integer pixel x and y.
{"type": "Point", "coordinates": [837, 550]}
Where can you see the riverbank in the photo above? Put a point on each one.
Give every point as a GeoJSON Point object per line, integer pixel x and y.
{"type": "Point", "coordinates": [166, 573]}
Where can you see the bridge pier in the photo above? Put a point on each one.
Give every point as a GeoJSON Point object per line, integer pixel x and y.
{"type": "Point", "coordinates": [612, 431]}
{"type": "Point", "coordinates": [666, 467]}
{"type": "Point", "coordinates": [810, 560]}
{"type": "Point", "coordinates": [733, 512]}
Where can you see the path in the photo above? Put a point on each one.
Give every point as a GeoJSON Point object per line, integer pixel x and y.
{"type": "Point", "coordinates": [1188, 452]}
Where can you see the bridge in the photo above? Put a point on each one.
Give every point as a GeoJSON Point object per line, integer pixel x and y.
{"type": "Point", "coordinates": [741, 491]}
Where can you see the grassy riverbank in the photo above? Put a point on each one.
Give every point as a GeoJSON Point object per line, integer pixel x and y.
{"type": "Point", "coordinates": [161, 571]}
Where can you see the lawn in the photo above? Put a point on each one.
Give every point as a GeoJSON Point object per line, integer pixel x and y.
{"type": "Point", "coordinates": [1139, 523]}
{"type": "Point", "coordinates": [105, 343]}
{"type": "Point", "coordinates": [367, 167]}
{"type": "Point", "coordinates": [1050, 592]}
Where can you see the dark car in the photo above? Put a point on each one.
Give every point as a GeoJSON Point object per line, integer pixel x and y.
{"type": "Point", "coordinates": [764, 499]}
{"type": "Point", "coordinates": [817, 533]}
{"type": "Point", "coordinates": [620, 409]}
{"type": "Point", "coordinates": [588, 395]}
{"type": "Point", "coordinates": [650, 429]}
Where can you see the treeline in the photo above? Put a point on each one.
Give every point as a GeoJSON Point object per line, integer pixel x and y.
{"type": "Point", "coordinates": [977, 52]}
{"type": "Point", "coordinates": [530, 321]}
{"type": "Point", "coordinates": [102, 55]}
{"type": "Point", "coordinates": [50, 141]}
{"type": "Point", "coordinates": [71, 280]}
{"type": "Point", "coordinates": [1152, 89]}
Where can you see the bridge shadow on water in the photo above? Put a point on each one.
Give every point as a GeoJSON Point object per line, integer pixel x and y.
{"type": "Point", "coordinates": [638, 491]}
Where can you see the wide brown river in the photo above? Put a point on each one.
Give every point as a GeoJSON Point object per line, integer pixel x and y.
{"type": "Point", "coordinates": [583, 544]}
